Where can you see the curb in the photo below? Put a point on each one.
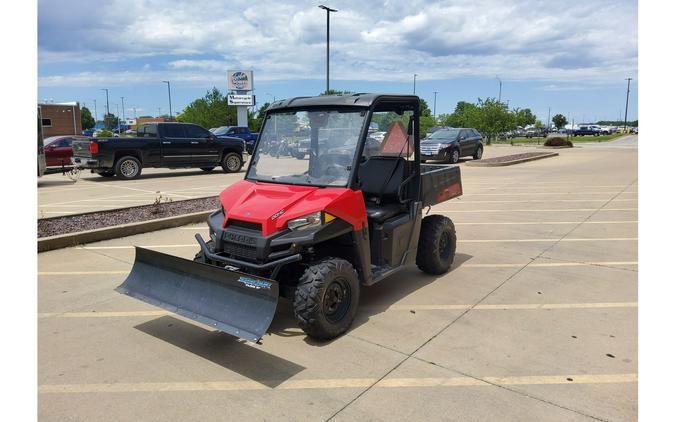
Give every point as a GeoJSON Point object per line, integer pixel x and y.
{"type": "Point", "coordinates": [510, 163]}
{"type": "Point", "coordinates": [113, 232]}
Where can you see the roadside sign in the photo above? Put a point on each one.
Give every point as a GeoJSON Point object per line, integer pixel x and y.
{"type": "Point", "coordinates": [240, 100]}
{"type": "Point", "coordinates": [240, 80]}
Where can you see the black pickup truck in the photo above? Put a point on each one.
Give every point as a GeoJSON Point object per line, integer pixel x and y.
{"type": "Point", "coordinates": [168, 145]}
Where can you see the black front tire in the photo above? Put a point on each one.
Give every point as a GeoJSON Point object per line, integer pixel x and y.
{"type": "Point", "coordinates": [437, 245]}
{"type": "Point", "coordinates": [479, 153]}
{"type": "Point", "coordinates": [326, 298]}
{"type": "Point", "coordinates": [207, 169]}
{"type": "Point", "coordinates": [128, 168]}
{"type": "Point", "coordinates": [454, 156]}
{"type": "Point", "coordinates": [232, 162]}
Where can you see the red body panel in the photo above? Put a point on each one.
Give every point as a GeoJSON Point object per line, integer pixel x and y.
{"type": "Point", "coordinates": [272, 205]}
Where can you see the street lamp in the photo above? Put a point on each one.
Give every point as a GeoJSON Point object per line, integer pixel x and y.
{"type": "Point", "coordinates": [415, 75]}
{"type": "Point", "coordinates": [328, 11]}
{"type": "Point", "coordinates": [123, 119]}
{"type": "Point", "coordinates": [107, 104]}
{"type": "Point", "coordinates": [625, 116]}
{"type": "Point", "coordinates": [95, 112]}
{"type": "Point", "coordinates": [274, 97]}
{"type": "Point", "coordinates": [435, 92]}
{"type": "Point", "coordinates": [500, 89]}
{"type": "Point", "coordinates": [168, 86]}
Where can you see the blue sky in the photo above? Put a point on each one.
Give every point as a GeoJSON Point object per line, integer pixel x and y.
{"type": "Point", "coordinates": [571, 58]}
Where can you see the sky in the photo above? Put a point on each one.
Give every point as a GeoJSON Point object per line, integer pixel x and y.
{"type": "Point", "coordinates": [571, 58]}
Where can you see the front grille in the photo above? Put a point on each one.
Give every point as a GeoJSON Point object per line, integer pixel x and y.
{"type": "Point", "coordinates": [429, 149]}
{"type": "Point", "coordinates": [240, 251]}
{"type": "Point", "coordinates": [244, 225]}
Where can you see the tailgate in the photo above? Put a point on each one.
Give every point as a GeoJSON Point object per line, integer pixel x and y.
{"type": "Point", "coordinates": [440, 183]}
{"type": "Point", "coordinates": [81, 148]}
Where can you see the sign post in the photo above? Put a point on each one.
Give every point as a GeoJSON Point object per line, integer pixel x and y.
{"type": "Point", "coordinates": [240, 83]}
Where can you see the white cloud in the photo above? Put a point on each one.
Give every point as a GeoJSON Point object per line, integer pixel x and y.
{"type": "Point", "coordinates": [591, 42]}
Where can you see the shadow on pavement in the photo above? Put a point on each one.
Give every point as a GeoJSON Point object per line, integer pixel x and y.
{"type": "Point", "coordinates": [163, 175]}
{"type": "Point", "coordinates": [222, 349]}
{"type": "Point", "coordinates": [374, 300]}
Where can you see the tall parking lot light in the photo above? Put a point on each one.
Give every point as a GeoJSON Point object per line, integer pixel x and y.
{"type": "Point", "coordinates": [107, 103]}
{"type": "Point", "coordinates": [625, 116]}
{"type": "Point", "coordinates": [435, 92]}
{"type": "Point", "coordinates": [500, 89]}
{"type": "Point", "coordinates": [168, 86]}
{"type": "Point", "coordinates": [415, 75]}
{"type": "Point", "coordinates": [122, 108]}
{"type": "Point", "coordinates": [328, 11]}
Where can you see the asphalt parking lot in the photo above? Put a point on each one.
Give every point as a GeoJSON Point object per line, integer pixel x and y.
{"type": "Point", "coordinates": [537, 320]}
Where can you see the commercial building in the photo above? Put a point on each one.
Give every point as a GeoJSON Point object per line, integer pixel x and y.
{"type": "Point", "coordinates": [60, 119]}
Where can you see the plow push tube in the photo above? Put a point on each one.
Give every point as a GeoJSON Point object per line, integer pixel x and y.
{"type": "Point", "coordinates": [239, 304]}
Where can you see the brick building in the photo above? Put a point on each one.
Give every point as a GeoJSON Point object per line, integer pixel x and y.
{"type": "Point", "coordinates": [61, 119]}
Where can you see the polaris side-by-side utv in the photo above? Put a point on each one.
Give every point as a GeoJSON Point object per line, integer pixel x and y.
{"type": "Point", "coordinates": [315, 229]}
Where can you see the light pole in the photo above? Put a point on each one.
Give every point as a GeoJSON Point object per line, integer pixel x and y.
{"type": "Point", "coordinates": [548, 122]}
{"type": "Point", "coordinates": [274, 97]}
{"type": "Point", "coordinates": [123, 109]}
{"type": "Point", "coordinates": [95, 113]}
{"type": "Point", "coordinates": [159, 111]}
{"type": "Point", "coordinates": [117, 116]}
{"type": "Point", "coordinates": [107, 103]}
{"type": "Point", "coordinates": [500, 89]}
{"type": "Point", "coordinates": [168, 86]}
{"type": "Point", "coordinates": [435, 92]}
{"type": "Point", "coordinates": [625, 116]}
{"type": "Point", "coordinates": [328, 11]}
{"type": "Point", "coordinates": [134, 107]}
{"type": "Point", "coordinates": [415, 75]}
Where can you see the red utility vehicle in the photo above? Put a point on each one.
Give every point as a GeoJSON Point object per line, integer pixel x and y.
{"type": "Point", "coordinates": [312, 230]}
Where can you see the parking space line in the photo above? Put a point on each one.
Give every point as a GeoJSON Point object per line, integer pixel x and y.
{"type": "Point", "coordinates": [395, 307]}
{"type": "Point", "coordinates": [527, 201]}
{"type": "Point", "coordinates": [545, 193]}
{"type": "Point", "coordinates": [538, 210]}
{"type": "Point", "coordinates": [51, 273]}
{"type": "Point", "coordinates": [604, 239]}
{"type": "Point", "coordinates": [323, 384]}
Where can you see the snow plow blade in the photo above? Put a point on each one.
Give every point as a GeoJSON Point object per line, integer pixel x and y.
{"type": "Point", "coordinates": [239, 304]}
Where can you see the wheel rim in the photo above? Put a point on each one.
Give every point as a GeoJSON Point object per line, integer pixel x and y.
{"type": "Point", "coordinates": [444, 246]}
{"type": "Point", "coordinates": [337, 300]}
{"type": "Point", "coordinates": [232, 163]}
{"type": "Point", "coordinates": [129, 168]}
{"type": "Point", "coordinates": [455, 156]}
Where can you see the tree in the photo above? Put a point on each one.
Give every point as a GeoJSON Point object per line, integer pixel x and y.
{"type": "Point", "coordinates": [110, 121]}
{"type": "Point", "coordinates": [524, 117]}
{"type": "Point", "coordinates": [465, 115]}
{"type": "Point", "coordinates": [493, 118]}
{"type": "Point", "coordinates": [209, 111]}
{"type": "Point", "coordinates": [86, 118]}
{"type": "Point", "coordinates": [538, 124]}
{"type": "Point", "coordinates": [559, 121]}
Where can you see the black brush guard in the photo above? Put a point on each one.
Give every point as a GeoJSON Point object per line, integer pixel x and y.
{"type": "Point", "coordinates": [239, 304]}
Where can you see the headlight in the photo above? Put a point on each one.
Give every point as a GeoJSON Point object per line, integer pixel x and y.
{"type": "Point", "coordinates": [305, 222]}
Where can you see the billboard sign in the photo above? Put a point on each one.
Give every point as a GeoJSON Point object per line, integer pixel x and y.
{"type": "Point", "coordinates": [240, 100]}
{"type": "Point", "coordinates": [240, 80]}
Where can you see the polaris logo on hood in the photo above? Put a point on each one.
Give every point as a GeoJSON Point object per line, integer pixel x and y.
{"type": "Point", "coordinates": [277, 215]}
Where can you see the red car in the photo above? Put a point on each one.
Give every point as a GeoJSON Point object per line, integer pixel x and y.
{"type": "Point", "coordinates": [59, 149]}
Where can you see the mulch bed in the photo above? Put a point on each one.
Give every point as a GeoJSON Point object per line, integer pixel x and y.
{"type": "Point", "coordinates": [99, 219]}
{"type": "Point", "coordinates": [509, 158]}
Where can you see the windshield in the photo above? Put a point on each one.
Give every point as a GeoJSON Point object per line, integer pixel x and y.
{"type": "Point", "coordinates": [221, 130]}
{"type": "Point", "coordinates": [307, 147]}
{"type": "Point", "coordinates": [444, 134]}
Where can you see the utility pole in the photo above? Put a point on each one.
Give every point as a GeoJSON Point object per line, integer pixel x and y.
{"type": "Point", "coordinates": [500, 89]}
{"type": "Point", "coordinates": [414, 82]}
{"type": "Point", "coordinates": [435, 92]}
{"type": "Point", "coordinates": [159, 111]}
{"type": "Point", "coordinates": [328, 12]}
{"type": "Point", "coordinates": [548, 122]}
{"type": "Point", "coordinates": [123, 118]}
{"type": "Point", "coordinates": [107, 103]}
{"type": "Point", "coordinates": [625, 116]}
{"type": "Point", "coordinates": [117, 107]}
{"type": "Point", "coordinates": [134, 107]}
{"type": "Point", "coordinates": [168, 85]}
{"type": "Point", "coordinates": [95, 112]}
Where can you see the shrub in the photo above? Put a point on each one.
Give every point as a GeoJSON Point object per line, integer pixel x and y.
{"type": "Point", "coordinates": [558, 142]}
{"type": "Point", "coordinates": [104, 133]}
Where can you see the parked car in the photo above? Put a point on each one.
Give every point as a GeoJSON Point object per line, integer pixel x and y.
{"type": "Point", "coordinates": [167, 145]}
{"type": "Point", "coordinates": [59, 149]}
{"type": "Point", "coordinates": [449, 144]}
{"type": "Point", "coordinates": [534, 132]}
{"type": "Point", "coordinates": [240, 132]}
{"type": "Point", "coordinates": [586, 130]}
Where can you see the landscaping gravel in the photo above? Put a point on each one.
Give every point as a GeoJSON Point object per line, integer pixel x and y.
{"type": "Point", "coordinates": [99, 219]}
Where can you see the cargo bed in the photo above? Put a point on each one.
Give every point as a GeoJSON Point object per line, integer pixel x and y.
{"type": "Point", "coordinates": [440, 183]}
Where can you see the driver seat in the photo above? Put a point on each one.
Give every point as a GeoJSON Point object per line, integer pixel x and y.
{"type": "Point", "coordinates": [380, 179]}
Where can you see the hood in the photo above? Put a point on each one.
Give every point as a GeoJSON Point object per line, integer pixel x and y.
{"type": "Point", "coordinates": [272, 205]}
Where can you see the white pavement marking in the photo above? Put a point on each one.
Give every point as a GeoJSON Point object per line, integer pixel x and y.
{"type": "Point", "coordinates": [540, 210]}
{"type": "Point", "coordinates": [550, 264]}
{"type": "Point", "coordinates": [611, 239]}
{"type": "Point", "coordinates": [439, 307]}
{"type": "Point", "coordinates": [319, 384]}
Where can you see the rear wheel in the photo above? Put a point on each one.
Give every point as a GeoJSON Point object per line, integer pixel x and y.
{"type": "Point", "coordinates": [232, 162]}
{"type": "Point", "coordinates": [207, 169]}
{"type": "Point", "coordinates": [437, 244]}
{"type": "Point", "coordinates": [127, 168]}
{"type": "Point", "coordinates": [326, 298]}
{"type": "Point", "coordinates": [479, 153]}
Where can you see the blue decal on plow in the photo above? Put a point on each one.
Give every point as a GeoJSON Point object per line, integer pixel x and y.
{"type": "Point", "coordinates": [255, 283]}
